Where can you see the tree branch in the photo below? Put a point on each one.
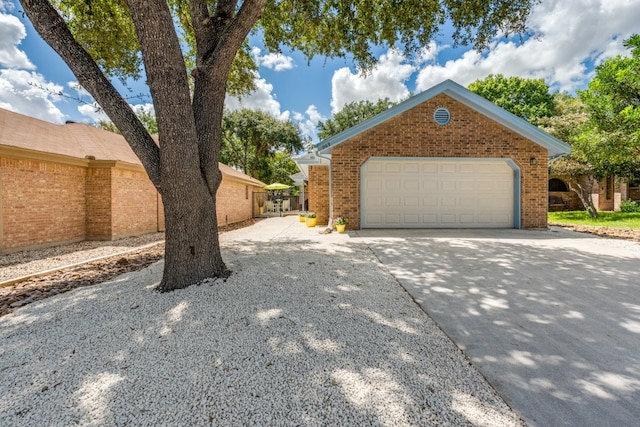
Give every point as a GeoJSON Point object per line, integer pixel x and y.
{"type": "Point", "coordinates": [52, 28]}
{"type": "Point", "coordinates": [230, 38]}
{"type": "Point", "coordinates": [168, 84]}
{"type": "Point", "coordinates": [215, 55]}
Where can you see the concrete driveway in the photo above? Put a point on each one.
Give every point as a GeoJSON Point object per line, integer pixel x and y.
{"type": "Point", "coordinates": [551, 318]}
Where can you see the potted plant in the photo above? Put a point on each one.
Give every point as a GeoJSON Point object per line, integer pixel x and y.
{"type": "Point", "coordinates": [340, 223]}
{"type": "Point", "coordinates": [261, 206]}
{"type": "Point", "coordinates": [303, 216]}
{"type": "Point", "coordinates": [310, 219]}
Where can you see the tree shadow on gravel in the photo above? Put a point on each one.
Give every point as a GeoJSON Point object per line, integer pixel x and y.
{"type": "Point", "coordinates": [300, 334]}
{"type": "Point", "coordinates": [552, 321]}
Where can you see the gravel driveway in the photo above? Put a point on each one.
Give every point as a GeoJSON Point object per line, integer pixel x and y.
{"type": "Point", "coordinates": [551, 318]}
{"type": "Point", "coordinates": [310, 330]}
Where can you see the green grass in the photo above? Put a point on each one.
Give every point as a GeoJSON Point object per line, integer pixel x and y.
{"type": "Point", "coordinates": [605, 219]}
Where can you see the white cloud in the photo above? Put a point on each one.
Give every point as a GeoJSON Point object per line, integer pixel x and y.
{"type": "Point", "coordinates": [308, 121]}
{"type": "Point", "coordinates": [429, 54]}
{"type": "Point", "coordinates": [79, 90]}
{"type": "Point", "coordinates": [314, 115]}
{"type": "Point", "coordinates": [144, 108]}
{"type": "Point", "coordinates": [6, 6]}
{"type": "Point", "coordinates": [386, 80]}
{"type": "Point", "coordinates": [570, 34]}
{"type": "Point", "coordinates": [93, 112]}
{"type": "Point", "coordinates": [273, 61]}
{"type": "Point", "coordinates": [28, 93]}
{"type": "Point", "coordinates": [261, 99]}
{"type": "Point", "coordinates": [12, 32]}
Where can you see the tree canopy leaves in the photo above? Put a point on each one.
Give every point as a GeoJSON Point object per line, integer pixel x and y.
{"type": "Point", "coordinates": [352, 114]}
{"type": "Point", "coordinates": [612, 101]}
{"type": "Point", "coordinates": [529, 99]}
{"type": "Point", "coordinates": [331, 28]}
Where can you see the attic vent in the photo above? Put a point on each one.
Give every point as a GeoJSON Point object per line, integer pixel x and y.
{"type": "Point", "coordinates": [442, 116]}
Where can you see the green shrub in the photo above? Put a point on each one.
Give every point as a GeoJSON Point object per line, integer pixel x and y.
{"type": "Point", "coordinates": [629, 206]}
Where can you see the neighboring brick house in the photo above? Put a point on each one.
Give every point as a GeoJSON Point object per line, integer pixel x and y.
{"type": "Point", "coordinates": [606, 194]}
{"type": "Point", "coordinates": [445, 158]}
{"type": "Point", "coordinates": [73, 182]}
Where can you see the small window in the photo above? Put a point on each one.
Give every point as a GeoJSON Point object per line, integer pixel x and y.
{"type": "Point", "coordinates": [556, 184]}
{"type": "Point", "coordinates": [246, 192]}
{"type": "Point", "coordinates": [442, 116]}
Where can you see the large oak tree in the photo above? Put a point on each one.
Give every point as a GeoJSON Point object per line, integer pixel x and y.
{"type": "Point", "coordinates": [171, 40]}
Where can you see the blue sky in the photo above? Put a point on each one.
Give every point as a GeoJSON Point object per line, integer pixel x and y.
{"type": "Point", "coordinates": [571, 37]}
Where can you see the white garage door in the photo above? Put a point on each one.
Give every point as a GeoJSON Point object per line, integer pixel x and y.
{"type": "Point", "coordinates": [437, 194]}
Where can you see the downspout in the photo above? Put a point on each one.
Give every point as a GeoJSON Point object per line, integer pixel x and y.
{"type": "Point", "coordinates": [330, 189]}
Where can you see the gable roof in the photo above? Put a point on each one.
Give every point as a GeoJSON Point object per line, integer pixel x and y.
{"type": "Point", "coordinates": [80, 141]}
{"type": "Point", "coordinates": [554, 146]}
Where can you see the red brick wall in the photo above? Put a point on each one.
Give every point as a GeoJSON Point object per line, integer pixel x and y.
{"type": "Point", "coordinates": [415, 134]}
{"type": "Point", "coordinates": [318, 193]}
{"type": "Point", "coordinates": [134, 204]}
{"type": "Point", "coordinates": [234, 201]}
{"type": "Point", "coordinates": [98, 202]}
{"type": "Point", "coordinates": [42, 203]}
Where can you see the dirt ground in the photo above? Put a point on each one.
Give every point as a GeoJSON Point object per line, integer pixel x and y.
{"type": "Point", "coordinates": [614, 233]}
{"type": "Point", "coordinates": [20, 294]}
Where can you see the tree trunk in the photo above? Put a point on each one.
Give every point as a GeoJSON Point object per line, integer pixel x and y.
{"type": "Point", "coordinates": [584, 194]}
{"type": "Point", "coordinates": [184, 168]}
{"type": "Point", "coordinates": [192, 250]}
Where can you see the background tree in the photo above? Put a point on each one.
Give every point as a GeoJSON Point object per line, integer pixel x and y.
{"type": "Point", "coordinates": [612, 140]}
{"type": "Point", "coordinates": [280, 168]}
{"type": "Point", "coordinates": [569, 123]}
{"type": "Point", "coordinates": [252, 139]}
{"type": "Point", "coordinates": [103, 39]}
{"type": "Point", "coordinates": [529, 99]}
{"type": "Point", "coordinates": [352, 114]}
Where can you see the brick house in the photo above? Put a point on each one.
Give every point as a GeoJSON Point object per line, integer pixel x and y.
{"type": "Point", "coordinates": [445, 158]}
{"type": "Point", "coordinates": [606, 194]}
{"type": "Point", "coordinates": [73, 182]}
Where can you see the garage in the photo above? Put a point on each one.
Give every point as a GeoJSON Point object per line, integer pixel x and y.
{"type": "Point", "coordinates": [445, 158]}
{"type": "Point", "coordinates": [438, 193]}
